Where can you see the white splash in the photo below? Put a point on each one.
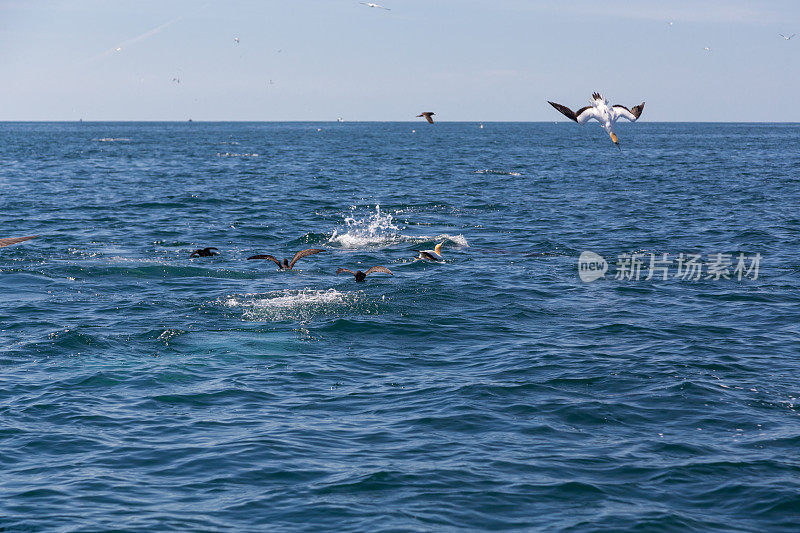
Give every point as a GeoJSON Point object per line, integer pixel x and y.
{"type": "Point", "coordinates": [376, 229]}
{"type": "Point", "coordinates": [379, 230]}
{"type": "Point", "coordinates": [301, 305]}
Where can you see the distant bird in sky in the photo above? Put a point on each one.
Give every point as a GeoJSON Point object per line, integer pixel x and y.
{"type": "Point", "coordinates": [370, 4]}
{"type": "Point", "coordinates": [8, 241]}
{"type": "Point", "coordinates": [786, 37]}
{"type": "Point", "coordinates": [431, 255]}
{"type": "Point", "coordinates": [707, 49]}
{"type": "Point", "coordinates": [288, 265]}
{"type": "Point", "coordinates": [204, 252]}
{"type": "Point", "coordinates": [428, 116]}
{"type": "Point", "coordinates": [671, 23]}
{"type": "Point", "coordinates": [603, 113]}
{"type": "Point", "coordinates": [361, 276]}
{"type": "Point", "coordinates": [176, 80]}
{"type": "Point", "coordinates": [118, 49]}
{"type": "Point", "coordinates": [236, 40]}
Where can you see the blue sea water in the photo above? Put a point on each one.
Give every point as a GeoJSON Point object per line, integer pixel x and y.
{"type": "Point", "coordinates": [141, 390]}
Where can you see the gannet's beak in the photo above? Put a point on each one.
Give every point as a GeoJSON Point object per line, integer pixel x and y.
{"type": "Point", "coordinates": [615, 140]}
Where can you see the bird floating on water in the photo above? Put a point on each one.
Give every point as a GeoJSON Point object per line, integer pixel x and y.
{"type": "Point", "coordinates": [204, 252]}
{"type": "Point", "coordinates": [361, 276]}
{"type": "Point", "coordinates": [427, 115]}
{"type": "Point", "coordinates": [786, 37]}
{"type": "Point", "coordinates": [431, 255]}
{"type": "Point", "coordinates": [8, 241]}
{"type": "Point", "coordinates": [371, 4]}
{"type": "Point", "coordinates": [289, 265]}
{"type": "Point", "coordinates": [603, 113]}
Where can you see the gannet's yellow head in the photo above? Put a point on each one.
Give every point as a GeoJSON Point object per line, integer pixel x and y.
{"type": "Point", "coordinates": [438, 248]}
{"type": "Point", "coordinates": [615, 139]}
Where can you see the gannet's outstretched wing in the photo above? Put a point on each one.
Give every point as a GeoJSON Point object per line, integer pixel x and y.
{"type": "Point", "coordinates": [582, 116]}
{"type": "Point", "coordinates": [271, 258]}
{"type": "Point", "coordinates": [379, 269]}
{"type": "Point", "coordinates": [8, 241]}
{"type": "Point", "coordinates": [340, 270]}
{"type": "Point", "coordinates": [630, 114]}
{"type": "Point", "coordinates": [303, 253]}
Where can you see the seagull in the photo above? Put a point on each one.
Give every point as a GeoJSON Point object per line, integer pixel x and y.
{"type": "Point", "coordinates": [361, 276]}
{"type": "Point", "coordinates": [370, 4]}
{"type": "Point", "coordinates": [289, 265]}
{"type": "Point", "coordinates": [236, 40]}
{"type": "Point", "coordinates": [785, 37]}
{"type": "Point", "coordinates": [603, 113]}
{"type": "Point", "coordinates": [204, 252]}
{"type": "Point", "coordinates": [707, 49]}
{"type": "Point", "coordinates": [8, 241]}
{"type": "Point", "coordinates": [431, 255]}
{"type": "Point", "coordinates": [427, 115]}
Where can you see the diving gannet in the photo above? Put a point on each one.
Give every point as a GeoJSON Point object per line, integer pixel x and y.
{"type": "Point", "coordinates": [8, 241]}
{"type": "Point", "coordinates": [370, 4]}
{"type": "Point", "coordinates": [289, 265]}
{"type": "Point", "coordinates": [361, 276]}
{"type": "Point", "coordinates": [427, 115]}
{"type": "Point", "coordinates": [603, 113]}
{"type": "Point", "coordinates": [204, 252]}
{"type": "Point", "coordinates": [431, 255]}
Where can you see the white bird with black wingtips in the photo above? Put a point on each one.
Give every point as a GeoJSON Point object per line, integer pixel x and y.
{"type": "Point", "coordinates": [607, 115]}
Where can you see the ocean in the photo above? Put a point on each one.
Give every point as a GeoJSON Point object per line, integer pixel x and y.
{"type": "Point", "coordinates": [612, 342]}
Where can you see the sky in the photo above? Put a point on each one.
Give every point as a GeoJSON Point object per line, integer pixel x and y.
{"type": "Point", "coordinates": [467, 60]}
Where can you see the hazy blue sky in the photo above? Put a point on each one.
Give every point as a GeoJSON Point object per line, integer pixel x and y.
{"type": "Point", "coordinates": [464, 59]}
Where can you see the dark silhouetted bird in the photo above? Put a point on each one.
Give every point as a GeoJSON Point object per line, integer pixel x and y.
{"type": "Point", "coordinates": [8, 241]}
{"type": "Point", "coordinates": [204, 252]}
{"type": "Point", "coordinates": [427, 115]}
{"type": "Point", "coordinates": [289, 265]}
{"type": "Point", "coordinates": [361, 276]}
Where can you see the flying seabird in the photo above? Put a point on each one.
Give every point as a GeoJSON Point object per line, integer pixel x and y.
{"type": "Point", "coordinates": [8, 241]}
{"type": "Point", "coordinates": [603, 113]}
{"type": "Point", "coordinates": [288, 265]}
{"type": "Point", "coordinates": [707, 49]}
{"type": "Point", "coordinates": [204, 252]}
{"type": "Point", "coordinates": [236, 40]}
{"type": "Point", "coordinates": [427, 115]}
{"type": "Point", "coordinates": [370, 4]}
{"type": "Point", "coordinates": [785, 37]}
{"type": "Point", "coordinates": [431, 255]}
{"type": "Point", "coordinates": [361, 276]}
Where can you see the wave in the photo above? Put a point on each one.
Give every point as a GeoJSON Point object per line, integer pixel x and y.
{"type": "Point", "coordinates": [302, 305]}
{"type": "Point", "coordinates": [229, 154]}
{"type": "Point", "coordinates": [112, 139]}
{"type": "Point", "coordinates": [379, 230]}
{"type": "Point", "coordinates": [497, 172]}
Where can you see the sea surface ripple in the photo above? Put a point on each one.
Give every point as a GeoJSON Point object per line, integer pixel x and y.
{"type": "Point", "coordinates": [141, 390]}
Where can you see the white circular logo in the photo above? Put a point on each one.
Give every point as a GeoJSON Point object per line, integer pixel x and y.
{"type": "Point", "coordinates": [591, 266]}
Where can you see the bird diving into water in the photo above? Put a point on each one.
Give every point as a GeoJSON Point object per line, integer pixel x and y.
{"type": "Point", "coordinates": [361, 276]}
{"type": "Point", "coordinates": [431, 255]}
{"type": "Point", "coordinates": [600, 111]}
{"type": "Point", "coordinates": [8, 241]}
{"type": "Point", "coordinates": [204, 252]}
{"type": "Point", "coordinates": [289, 265]}
{"type": "Point", "coordinates": [427, 115]}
